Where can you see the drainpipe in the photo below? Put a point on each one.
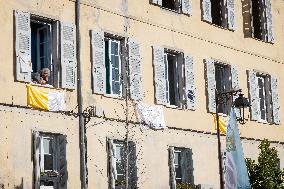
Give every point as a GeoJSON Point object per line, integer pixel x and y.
{"type": "Point", "coordinates": [83, 169]}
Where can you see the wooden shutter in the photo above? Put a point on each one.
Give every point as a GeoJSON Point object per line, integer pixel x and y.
{"type": "Point", "coordinates": [231, 14]}
{"type": "Point", "coordinates": [206, 10]}
{"type": "Point", "coordinates": [186, 7]}
{"type": "Point", "coordinates": [135, 77]}
{"type": "Point", "coordinates": [23, 46]}
{"type": "Point", "coordinates": [98, 62]}
{"type": "Point", "coordinates": [268, 11]}
{"type": "Point", "coordinates": [190, 89]}
{"type": "Point", "coordinates": [211, 85]}
{"type": "Point", "coordinates": [62, 161]}
{"type": "Point", "coordinates": [275, 100]}
{"type": "Point", "coordinates": [157, 2]}
{"type": "Point", "coordinates": [36, 145]}
{"type": "Point", "coordinates": [247, 18]}
{"type": "Point", "coordinates": [132, 166]}
{"type": "Point", "coordinates": [254, 96]}
{"type": "Point", "coordinates": [268, 99]}
{"type": "Point", "coordinates": [235, 85]}
{"type": "Point", "coordinates": [160, 81]}
{"type": "Point", "coordinates": [172, 168]}
{"type": "Point", "coordinates": [187, 166]}
{"type": "Point", "coordinates": [68, 56]}
{"type": "Point", "coordinates": [112, 164]}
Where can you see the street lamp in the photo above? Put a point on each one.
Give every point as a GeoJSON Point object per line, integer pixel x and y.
{"type": "Point", "coordinates": [241, 103]}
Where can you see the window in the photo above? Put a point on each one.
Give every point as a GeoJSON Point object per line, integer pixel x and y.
{"type": "Point", "coordinates": [219, 12]}
{"type": "Point", "coordinates": [50, 160]}
{"type": "Point", "coordinates": [180, 6]}
{"type": "Point", "coordinates": [264, 97]}
{"type": "Point", "coordinates": [223, 84]}
{"type": "Point", "coordinates": [257, 17]}
{"type": "Point", "coordinates": [38, 47]}
{"type": "Point", "coordinates": [113, 67]}
{"type": "Point", "coordinates": [174, 78]}
{"type": "Point", "coordinates": [181, 167]}
{"type": "Point", "coordinates": [221, 77]}
{"type": "Point", "coordinates": [109, 65]}
{"type": "Point", "coordinates": [117, 155]}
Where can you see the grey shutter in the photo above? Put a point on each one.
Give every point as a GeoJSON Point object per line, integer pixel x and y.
{"type": "Point", "coordinates": [23, 46]}
{"type": "Point", "coordinates": [62, 161]}
{"type": "Point", "coordinates": [132, 168]}
{"type": "Point", "coordinates": [160, 81]}
{"type": "Point", "coordinates": [211, 85]}
{"type": "Point", "coordinates": [206, 10]}
{"type": "Point", "coordinates": [247, 18]}
{"type": "Point", "coordinates": [268, 99]}
{"type": "Point", "coordinates": [98, 62]}
{"type": "Point", "coordinates": [254, 96]}
{"type": "Point", "coordinates": [268, 11]}
{"type": "Point", "coordinates": [36, 145]}
{"type": "Point", "coordinates": [190, 90]}
{"type": "Point", "coordinates": [231, 14]}
{"type": "Point", "coordinates": [157, 2]}
{"type": "Point", "coordinates": [135, 77]}
{"type": "Point", "coordinates": [186, 7]}
{"type": "Point", "coordinates": [235, 85]}
{"type": "Point", "coordinates": [275, 100]}
{"type": "Point", "coordinates": [187, 166]}
{"type": "Point", "coordinates": [112, 164]}
{"type": "Point", "coordinates": [172, 168]}
{"type": "Point", "coordinates": [68, 56]}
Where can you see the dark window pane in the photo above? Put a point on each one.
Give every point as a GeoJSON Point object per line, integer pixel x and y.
{"type": "Point", "coordinates": [114, 48]}
{"type": "Point", "coordinates": [172, 78]}
{"type": "Point", "coordinates": [107, 65]}
{"type": "Point", "coordinates": [48, 162]}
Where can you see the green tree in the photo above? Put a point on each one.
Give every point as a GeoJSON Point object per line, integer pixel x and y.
{"type": "Point", "coordinates": [266, 173]}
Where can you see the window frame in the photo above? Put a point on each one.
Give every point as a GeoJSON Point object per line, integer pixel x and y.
{"type": "Point", "coordinates": [54, 152]}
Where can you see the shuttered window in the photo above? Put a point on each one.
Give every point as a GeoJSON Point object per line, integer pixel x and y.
{"type": "Point", "coordinates": [264, 98]}
{"type": "Point", "coordinates": [117, 156]}
{"type": "Point", "coordinates": [219, 12]}
{"type": "Point", "coordinates": [181, 167]}
{"type": "Point", "coordinates": [174, 78]}
{"type": "Point", "coordinates": [257, 19]}
{"type": "Point", "coordinates": [50, 160]}
{"type": "Point", "coordinates": [37, 51]}
{"type": "Point", "coordinates": [180, 6]}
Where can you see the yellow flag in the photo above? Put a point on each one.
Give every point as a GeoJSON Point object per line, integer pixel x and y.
{"type": "Point", "coordinates": [37, 98]}
{"type": "Point", "coordinates": [222, 124]}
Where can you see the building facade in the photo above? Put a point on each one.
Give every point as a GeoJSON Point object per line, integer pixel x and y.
{"type": "Point", "coordinates": [166, 57]}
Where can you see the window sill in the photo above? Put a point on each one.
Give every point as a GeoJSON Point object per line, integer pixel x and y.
{"type": "Point", "coordinates": [260, 40]}
{"type": "Point", "coordinates": [45, 86]}
{"type": "Point", "coordinates": [113, 96]}
{"type": "Point", "coordinates": [173, 107]}
{"type": "Point", "coordinates": [170, 10]}
{"type": "Point", "coordinates": [220, 27]}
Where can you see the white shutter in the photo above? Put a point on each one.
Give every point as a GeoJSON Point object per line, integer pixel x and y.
{"type": "Point", "coordinates": [62, 161]}
{"type": "Point", "coordinates": [36, 145]}
{"type": "Point", "coordinates": [186, 7]}
{"type": "Point", "coordinates": [211, 84]}
{"type": "Point", "coordinates": [172, 167]}
{"type": "Point", "coordinates": [254, 96]}
{"type": "Point", "coordinates": [157, 2]}
{"type": "Point", "coordinates": [98, 62]}
{"type": "Point", "coordinates": [270, 35]}
{"type": "Point", "coordinates": [68, 56]}
{"type": "Point", "coordinates": [135, 77]}
{"type": "Point", "coordinates": [190, 89]}
{"type": "Point", "coordinates": [235, 85]}
{"type": "Point", "coordinates": [275, 100]}
{"type": "Point", "coordinates": [206, 10]}
{"type": "Point", "coordinates": [112, 163]}
{"type": "Point", "coordinates": [23, 46]}
{"type": "Point", "coordinates": [231, 14]}
{"type": "Point", "coordinates": [160, 81]}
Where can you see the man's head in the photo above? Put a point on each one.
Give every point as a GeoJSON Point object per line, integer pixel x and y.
{"type": "Point", "coordinates": [44, 74]}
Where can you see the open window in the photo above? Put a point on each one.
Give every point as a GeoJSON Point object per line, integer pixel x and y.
{"type": "Point", "coordinates": [171, 4]}
{"type": "Point", "coordinates": [179, 6]}
{"type": "Point", "coordinates": [257, 19]}
{"type": "Point", "coordinates": [50, 165]}
{"type": "Point", "coordinates": [181, 167]}
{"type": "Point", "coordinates": [45, 51]}
{"type": "Point", "coordinates": [264, 97]}
{"type": "Point", "coordinates": [117, 156]}
{"type": "Point", "coordinates": [219, 12]}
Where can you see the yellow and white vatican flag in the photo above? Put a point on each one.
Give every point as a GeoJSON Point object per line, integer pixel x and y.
{"type": "Point", "coordinates": [222, 123]}
{"type": "Point", "coordinates": [40, 99]}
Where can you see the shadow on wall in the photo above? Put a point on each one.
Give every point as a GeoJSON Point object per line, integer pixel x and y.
{"type": "Point", "coordinates": [20, 186]}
